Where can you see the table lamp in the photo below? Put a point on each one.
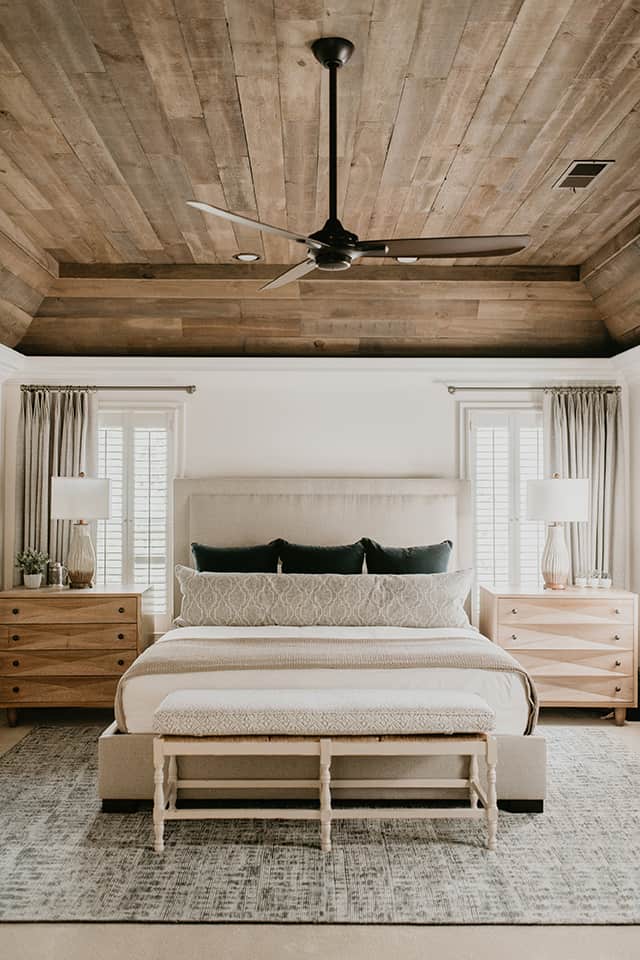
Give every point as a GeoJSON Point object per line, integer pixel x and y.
{"type": "Point", "coordinates": [80, 499]}
{"type": "Point", "coordinates": [557, 502]}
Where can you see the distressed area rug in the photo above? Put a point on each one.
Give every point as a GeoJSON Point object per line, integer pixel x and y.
{"type": "Point", "coordinates": [61, 859]}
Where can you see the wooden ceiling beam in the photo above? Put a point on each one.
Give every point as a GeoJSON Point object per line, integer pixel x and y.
{"type": "Point", "coordinates": [262, 271]}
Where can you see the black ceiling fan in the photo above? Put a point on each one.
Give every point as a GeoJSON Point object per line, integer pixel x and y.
{"type": "Point", "coordinates": [333, 247]}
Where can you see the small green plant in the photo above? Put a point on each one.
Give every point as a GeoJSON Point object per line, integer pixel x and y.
{"type": "Point", "coordinates": [32, 561]}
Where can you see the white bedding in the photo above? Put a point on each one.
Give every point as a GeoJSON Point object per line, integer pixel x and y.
{"type": "Point", "coordinates": [505, 692]}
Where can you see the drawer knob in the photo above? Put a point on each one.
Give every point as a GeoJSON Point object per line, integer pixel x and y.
{"type": "Point", "coordinates": [15, 637]}
{"type": "Point", "coordinates": [121, 636]}
{"type": "Point", "coordinates": [16, 689]}
{"type": "Point", "coordinates": [514, 610]}
{"type": "Point", "coordinates": [15, 611]}
{"type": "Point", "coordinates": [618, 663]}
{"type": "Point", "coordinates": [121, 610]}
{"type": "Point", "coordinates": [616, 636]}
{"type": "Point", "coordinates": [16, 663]}
{"type": "Point", "coordinates": [618, 689]}
{"type": "Point", "coordinates": [121, 663]}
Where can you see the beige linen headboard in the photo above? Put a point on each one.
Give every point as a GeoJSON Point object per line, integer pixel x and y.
{"type": "Point", "coordinates": [238, 511]}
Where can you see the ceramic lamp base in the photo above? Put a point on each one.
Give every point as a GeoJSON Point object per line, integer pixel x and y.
{"type": "Point", "coordinates": [555, 559]}
{"type": "Point", "coordinates": [81, 559]}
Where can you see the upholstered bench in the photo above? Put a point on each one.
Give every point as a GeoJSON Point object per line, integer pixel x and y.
{"type": "Point", "coordinates": [323, 724]}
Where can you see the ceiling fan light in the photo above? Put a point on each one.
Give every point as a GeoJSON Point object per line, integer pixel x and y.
{"type": "Point", "coordinates": [407, 259]}
{"type": "Point", "coordinates": [246, 257]}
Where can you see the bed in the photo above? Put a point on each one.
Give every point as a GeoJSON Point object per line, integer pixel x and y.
{"type": "Point", "coordinates": [240, 511]}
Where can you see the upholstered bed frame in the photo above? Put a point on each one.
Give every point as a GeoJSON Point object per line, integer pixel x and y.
{"type": "Point", "coordinates": [242, 511]}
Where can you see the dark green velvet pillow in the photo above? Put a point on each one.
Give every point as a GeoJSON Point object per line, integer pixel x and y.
{"type": "Point", "coordinates": [259, 559]}
{"type": "Point", "coordinates": [428, 559]}
{"type": "Point", "coordinates": [300, 558]}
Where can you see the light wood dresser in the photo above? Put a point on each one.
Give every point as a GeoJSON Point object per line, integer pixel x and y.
{"type": "Point", "coordinates": [68, 648]}
{"type": "Point", "coordinates": [579, 645]}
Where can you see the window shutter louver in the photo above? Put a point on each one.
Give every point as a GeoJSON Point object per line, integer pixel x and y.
{"type": "Point", "coordinates": [133, 545]}
{"type": "Point", "coordinates": [505, 452]}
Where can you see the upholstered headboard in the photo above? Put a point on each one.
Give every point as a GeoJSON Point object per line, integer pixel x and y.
{"type": "Point", "coordinates": [399, 512]}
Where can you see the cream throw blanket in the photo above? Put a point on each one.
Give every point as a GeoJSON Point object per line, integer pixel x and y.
{"type": "Point", "coordinates": [460, 649]}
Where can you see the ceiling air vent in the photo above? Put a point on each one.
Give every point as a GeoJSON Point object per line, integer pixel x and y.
{"type": "Point", "coordinates": [582, 173]}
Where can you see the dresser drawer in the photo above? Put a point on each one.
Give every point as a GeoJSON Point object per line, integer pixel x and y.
{"type": "Point", "coordinates": [67, 609]}
{"type": "Point", "coordinates": [65, 691]}
{"type": "Point", "coordinates": [584, 692]}
{"type": "Point", "coordinates": [589, 664]}
{"type": "Point", "coordinates": [540, 610]}
{"type": "Point", "coordinates": [67, 663]}
{"type": "Point", "coordinates": [70, 636]}
{"type": "Point", "coordinates": [568, 637]}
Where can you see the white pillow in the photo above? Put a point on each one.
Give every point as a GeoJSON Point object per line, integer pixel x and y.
{"type": "Point", "coordinates": [331, 599]}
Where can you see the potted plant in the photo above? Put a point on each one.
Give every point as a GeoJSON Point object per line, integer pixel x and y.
{"type": "Point", "coordinates": [32, 563]}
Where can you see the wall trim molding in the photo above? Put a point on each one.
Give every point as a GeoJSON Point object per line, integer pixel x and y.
{"type": "Point", "coordinates": [172, 370]}
{"type": "Point", "coordinates": [628, 365]}
{"type": "Point", "coordinates": [10, 363]}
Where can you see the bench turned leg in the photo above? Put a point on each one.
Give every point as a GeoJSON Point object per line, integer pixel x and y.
{"type": "Point", "coordinates": [325, 795]}
{"type": "Point", "coordinates": [473, 778]}
{"type": "Point", "coordinates": [173, 778]}
{"type": "Point", "coordinates": [492, 801]}
{"type": "Point", "coordinates": [158, 795]}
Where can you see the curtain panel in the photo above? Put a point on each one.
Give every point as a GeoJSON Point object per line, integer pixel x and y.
{"type": "Point", "coordinates": [57, 437]}
{"type": "Point", "coordinates": [584, 438]}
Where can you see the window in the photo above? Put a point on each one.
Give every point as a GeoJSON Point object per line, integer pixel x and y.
{"type": "Point", "coordinates": [133, 546]}
{"type": "Point", "coordinates": [505, 451]}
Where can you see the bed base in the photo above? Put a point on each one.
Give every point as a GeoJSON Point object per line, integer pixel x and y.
{"type": "Point", "coordinates": [126, 774]}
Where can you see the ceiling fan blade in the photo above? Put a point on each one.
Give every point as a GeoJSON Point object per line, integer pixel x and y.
{"type": "Point", "coordinates": [429, 247]}
{"type": "Point", "coordinates": [306, 266]}
{"type": "Point", "coordinates": [256, 225]}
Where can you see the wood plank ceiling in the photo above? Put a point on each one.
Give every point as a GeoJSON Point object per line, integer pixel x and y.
{"type": "Point", "coordinates": [456, 117]}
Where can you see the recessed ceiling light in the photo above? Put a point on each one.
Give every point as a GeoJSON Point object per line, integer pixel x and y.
{"type": "Point", "coordinates": [407, 259]}
{"type": "Point", "coordinates": [246, 257]}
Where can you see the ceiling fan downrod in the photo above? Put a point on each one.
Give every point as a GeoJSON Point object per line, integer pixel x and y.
{"type": "Point", "coordinates": [333, 53]}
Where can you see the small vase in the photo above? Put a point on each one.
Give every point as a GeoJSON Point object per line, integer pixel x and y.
{"type": "Point", "coordinates": [32, 580]}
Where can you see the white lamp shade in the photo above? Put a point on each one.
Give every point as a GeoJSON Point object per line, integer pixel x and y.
{"type": "Point", "coordinates": [558, 500]}
{"type": "Point", "coordinates": [80, 498]}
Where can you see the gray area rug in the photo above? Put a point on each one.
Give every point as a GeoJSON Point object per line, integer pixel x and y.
{"type": "Point", "coordinates": [61, 859]}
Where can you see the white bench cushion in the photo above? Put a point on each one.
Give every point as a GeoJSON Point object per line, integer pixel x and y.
{"type": "Point", "coordinates": [303, 712]}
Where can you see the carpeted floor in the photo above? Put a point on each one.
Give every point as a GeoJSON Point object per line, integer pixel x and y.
{"type": "Point", "coordinates": [62, 859]}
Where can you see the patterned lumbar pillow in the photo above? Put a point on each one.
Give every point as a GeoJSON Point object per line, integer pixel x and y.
{"type": "Point", "coordinates": [301, 558]}
{"type": "Point", "coordinates": [433, 558]}
{"type": "Point", "coordinates": [333, 600]}
{"type": "Point", "coordinates": [262, 558]}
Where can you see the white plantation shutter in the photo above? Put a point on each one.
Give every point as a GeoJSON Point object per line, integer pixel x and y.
{"type": "Point", "coordinates": [505, 451]}
{"type": "Point", "coordinates": [133, 546]}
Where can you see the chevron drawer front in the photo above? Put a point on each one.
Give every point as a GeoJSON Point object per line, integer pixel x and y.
{"type": "Point", "coordinates": [579, 645]}
{"type": "Point", "coordinates": [68, 647]}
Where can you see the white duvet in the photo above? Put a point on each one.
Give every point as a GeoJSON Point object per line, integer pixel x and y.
{"type": "Point", "coordinates": [504, 691]}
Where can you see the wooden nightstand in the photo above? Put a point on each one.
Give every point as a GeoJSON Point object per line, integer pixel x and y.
{"type": "Point", "coordinates": [68, 648]}
{"type": "Point", "coordinates": [579, 645]}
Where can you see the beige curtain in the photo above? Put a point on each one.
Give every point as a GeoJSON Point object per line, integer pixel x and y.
{"type": "Point", "coordinates": [57, 437]}
{"type": "Point", "coordinates": [584, 438]}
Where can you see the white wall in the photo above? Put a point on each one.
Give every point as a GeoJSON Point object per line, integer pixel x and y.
{"type": "Point", "coordinates": [628, 366]}
{"type": "Point", "coordinates": [339, 425]}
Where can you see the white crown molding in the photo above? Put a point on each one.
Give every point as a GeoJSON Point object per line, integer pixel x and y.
{"type": "Point", "coordinates": [11, 362]}
{"type": "Point", "coordinates": [516, 371]}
